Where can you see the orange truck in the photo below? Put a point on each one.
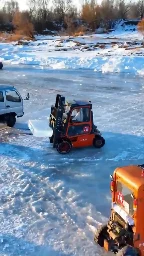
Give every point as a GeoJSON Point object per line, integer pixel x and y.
{"type": "Point", "coordinates": [124, 232]}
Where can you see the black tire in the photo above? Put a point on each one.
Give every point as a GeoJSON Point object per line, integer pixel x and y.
{"type": "Point", "coordinates": [98, 142]}
{"type": "Point", "coordinates": [63, 147]}
{"type": "Point", "coordinates": [51, 139]}
{"type": "Point", "coordinates": [10, 120]}
{"type": "Point", "coordinates": [100, 235]}
{"type": "Point", "coordinates": [1, 65]}
{"type": "Point", "coordinates": [128, 251]}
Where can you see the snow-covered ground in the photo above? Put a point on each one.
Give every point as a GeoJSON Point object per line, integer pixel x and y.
{"type": "Point", "coordinates": [51, 204]}
{"type": "Point", "coordinates": [118, 51]}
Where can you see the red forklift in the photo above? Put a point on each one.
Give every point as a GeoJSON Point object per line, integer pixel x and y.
{"type": "Point", "coordinates": [72, 125]}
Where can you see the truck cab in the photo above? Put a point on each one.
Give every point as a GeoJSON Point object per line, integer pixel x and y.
{"type": "Point", "coordinates": [11, 105]}
{"type": "Point", "coordinates": [125, 228]}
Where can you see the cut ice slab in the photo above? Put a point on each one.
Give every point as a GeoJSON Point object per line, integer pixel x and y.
{"type": "Point", "coordinates": [40, 128]}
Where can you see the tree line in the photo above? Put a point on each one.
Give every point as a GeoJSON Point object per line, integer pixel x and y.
{"type": "Point", "coordinates": [62, 15]}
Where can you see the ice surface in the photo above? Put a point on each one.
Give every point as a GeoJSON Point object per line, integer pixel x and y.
{"type": "Point", "coordinates": [40, 128]}
{"type": "Point", "coordinates": [52, 204]}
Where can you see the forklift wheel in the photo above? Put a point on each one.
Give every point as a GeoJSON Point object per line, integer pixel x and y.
{"type": "Point", "coordinates": [10, 120]}
{"type": "Point", "coordinates": [98, 142]}
{"type": "Point", "coordinates": [1, 65]}
{"type": "Point", "coordinates": [63, 147]}
{"type": "Point", "coordinates": [100, 235]}
{"type": "Point", "coordinates": [51, 139]}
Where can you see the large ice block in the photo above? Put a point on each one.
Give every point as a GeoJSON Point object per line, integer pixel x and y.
{"type": "Point", "coordinates": [40, 128]}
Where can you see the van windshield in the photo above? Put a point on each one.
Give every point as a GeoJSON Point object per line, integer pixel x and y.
{"type": "Point", "coordinates": [124, 199]}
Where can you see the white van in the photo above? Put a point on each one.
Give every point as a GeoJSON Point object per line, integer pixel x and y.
{"type": "Point", "coordinates": [11, 104]}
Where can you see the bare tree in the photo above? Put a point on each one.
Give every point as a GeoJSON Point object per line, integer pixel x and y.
{"type": "Point", "coordinates": [134, 11]}
{"type": "Point", "coordinates": [61, 8]}
{"type": "Point", "coordinates": [141, 28]}
{"type": "Point", "coordinates": [40, 13]}
{"type": "Point", "coordinates": [22, 24]}
{"type": "Point", "coordinates": [107, 13]}
{"type": "Point", "coordinates": [36, 5]}
{"type": "Point", "coordinates": [33, 5]}
{"type": "Point", "coordinates": [141, 8]}
{"type": "Point", "coordinates": [69, 23]}
{"type": "Point", "coordinates": [11, 7]}
{"type": "Point", "coordinates": [123, 9]}
{"type": "Point", "coordinates": [89, 13]}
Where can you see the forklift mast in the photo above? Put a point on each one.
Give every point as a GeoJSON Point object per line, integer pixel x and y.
{"type": "Point", "coordinates": [60, 101]}
{"type": "Point", "coordinates": [59, 105]}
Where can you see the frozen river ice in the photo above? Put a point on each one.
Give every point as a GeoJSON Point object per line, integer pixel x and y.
{"type": "Point", "coordinates": [51, 204]}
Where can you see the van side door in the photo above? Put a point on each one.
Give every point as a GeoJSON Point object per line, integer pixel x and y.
{"type": "Point", "coordinates": [14, 102]}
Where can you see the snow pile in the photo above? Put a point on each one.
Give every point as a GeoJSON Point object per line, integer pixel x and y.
{"type": "Point", "coordinates": [119, 51]}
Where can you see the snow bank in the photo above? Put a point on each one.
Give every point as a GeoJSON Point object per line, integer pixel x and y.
{"type": "Point", "coordinates": [99, 64]}
{"type": "Point", "coordinates": [119, 51]}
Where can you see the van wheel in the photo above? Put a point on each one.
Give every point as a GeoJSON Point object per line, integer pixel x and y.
{"type": "Point", "coordinates": [10, 120]}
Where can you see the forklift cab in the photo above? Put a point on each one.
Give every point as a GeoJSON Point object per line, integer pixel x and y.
{"type": "Point", "coordinates": [72, 121]}
{"type": "Point", "coordinates": [80, 114]}
{"type": "Point", "coordinates": [75, 116]}
{"type": "Point", "coordinates": [79, 120]}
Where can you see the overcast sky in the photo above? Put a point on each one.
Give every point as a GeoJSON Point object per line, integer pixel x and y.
{"type": "Point", "coordinates": [23, 3]}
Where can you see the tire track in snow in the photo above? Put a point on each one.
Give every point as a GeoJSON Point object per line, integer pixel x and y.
{"type": "Point", "coordinates": [63, 208]}
{"type": "Point", "coordinates": [63, 205]}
